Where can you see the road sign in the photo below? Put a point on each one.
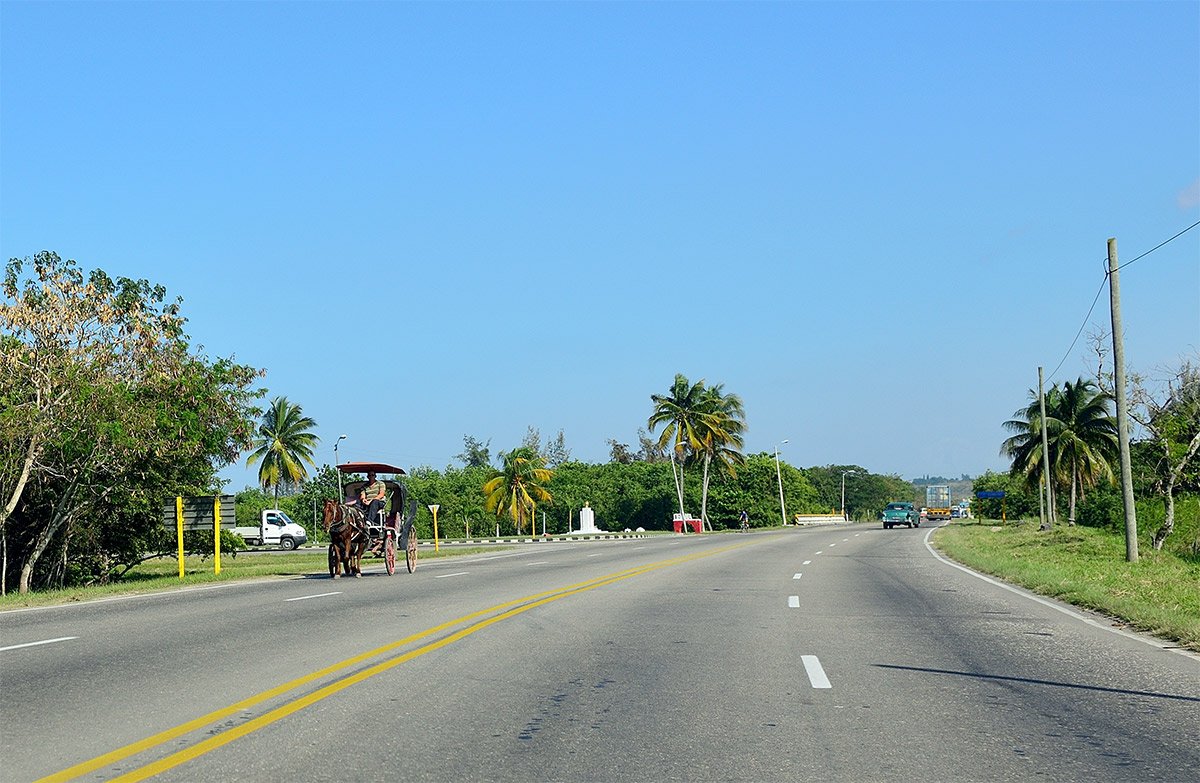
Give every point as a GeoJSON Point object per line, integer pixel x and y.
{"type": "Point", "coordinates": [199, 513]}
{"type": "Point", "coordinates": [989, 495]}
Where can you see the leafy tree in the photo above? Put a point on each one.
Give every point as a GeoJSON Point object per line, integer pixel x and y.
{"type": "Point", "coordinates": [556, 451]}
{"type": "Point", "coordinates": [1170, 416]}
{"type": "Point", "coordinates": [519, 487]}
{"type": "Point", "coordinates": [648, 448]}
{"type": "Point", "coordinates": [620, 453]}
{"type": "Point", "coordinates": [866, 493]}
{"type": "Point", "coordinates": [532, 439]}
{"type": "Point", "coordinates": [1018, 500]}
{"type": "Point", "coordinates": [107, 413]}
{"type": "Point", "coordinates": [284, 443]}
{"type": "Point", "coordinates": [474, 453]}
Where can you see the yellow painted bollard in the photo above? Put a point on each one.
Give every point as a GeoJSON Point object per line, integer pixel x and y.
{"type": "Point", "coordinates": [216, 534]}
{"type": "Point", "coordinates": [434, 508]}
{"type": "Point", "coordinates": [179, 530]}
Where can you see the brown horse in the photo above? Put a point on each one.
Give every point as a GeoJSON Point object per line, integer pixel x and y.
{"type": "Point", "coordinates": [347, 538]}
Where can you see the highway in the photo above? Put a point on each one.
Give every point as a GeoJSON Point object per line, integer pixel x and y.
{"type": "Point", "coordinates": [844, 653]}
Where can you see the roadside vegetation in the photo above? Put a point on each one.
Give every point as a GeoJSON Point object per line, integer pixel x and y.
{"type": "Point", "coordinates": [1085, 566]}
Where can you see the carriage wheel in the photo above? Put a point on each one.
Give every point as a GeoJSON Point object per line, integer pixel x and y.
{"type": "Point", "coordinates": [332, 560]}
{"type": "Point", "coordinates": [410, 553]}
{"type": "Point", "coordinates": [389, 553]}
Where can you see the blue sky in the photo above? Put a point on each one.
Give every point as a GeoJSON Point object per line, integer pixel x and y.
{"type": "Point", "coordinates": [873, 221]}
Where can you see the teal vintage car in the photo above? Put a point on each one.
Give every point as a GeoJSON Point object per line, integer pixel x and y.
{"type": "Point", "coordinates": [900, 513]}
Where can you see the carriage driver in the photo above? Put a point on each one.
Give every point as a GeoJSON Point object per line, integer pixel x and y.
{"type": "Point", "coordinates": [372, 497]}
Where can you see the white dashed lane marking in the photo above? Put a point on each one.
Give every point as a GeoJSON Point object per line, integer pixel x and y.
{"type": "Point", "coordinates": [793, 602]}
{"type": "Point", "coordinates": [816, 674]}
{"type": "Point", "coordinates": [306, 597]}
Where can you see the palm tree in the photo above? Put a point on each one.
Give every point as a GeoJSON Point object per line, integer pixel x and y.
{"type": "Point", "coordinates": [722, 424]}
{"type": "Point", "coordinates": [520, 486]}
{"type": "Point", "coordinates": [1081, 436]}
{"type": "Point", "coordinates": [1087, 443]}
{"type": "Point", "coordinates": [680, 413]}
{"type": "Point", "coordinates": [283, 444]}
{"type": "Point", "coordinates": [1025, 447]}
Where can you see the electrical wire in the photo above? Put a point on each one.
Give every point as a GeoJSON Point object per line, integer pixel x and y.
{"type": "Point", "coordinates": [1160, 244]}
{"type": "Point", "coordinates": [1100, 290]}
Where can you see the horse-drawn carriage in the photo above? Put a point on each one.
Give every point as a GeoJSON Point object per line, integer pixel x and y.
{"type": "Point", "coordinates": [352, 534]}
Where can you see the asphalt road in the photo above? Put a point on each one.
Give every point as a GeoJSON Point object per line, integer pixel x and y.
{"type": "Point", "coordinates": [845, 653]}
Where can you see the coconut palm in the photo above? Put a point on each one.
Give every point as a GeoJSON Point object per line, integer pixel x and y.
{"type": "Point", "coordinates": [1081, 436]}
{"type": "Point", "coordinates": [520, 485]}
{"type": "Point", "coordinates": [680, 413]}
{"type": "Point", "coordinates": [722, 423]}
{"type": "Point", "coordinates": [283, 444]}
{"type": "Point", "coordinates": [1087, 444]}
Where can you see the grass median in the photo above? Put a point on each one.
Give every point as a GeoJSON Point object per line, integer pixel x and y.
{"type": "Point", "coordinates": [1086, 567]}
{"type": "Point", "coordinates": [162, 573]}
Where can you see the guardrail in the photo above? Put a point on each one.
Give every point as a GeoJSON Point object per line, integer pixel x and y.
{"type": "Point", "coordinates": [818, 519]}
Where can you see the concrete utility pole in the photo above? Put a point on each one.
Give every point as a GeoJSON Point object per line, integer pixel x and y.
{"type": "Point", "coordinates": [1118, 336]}
{"type": "Point", "coordinates": [1048, 520]}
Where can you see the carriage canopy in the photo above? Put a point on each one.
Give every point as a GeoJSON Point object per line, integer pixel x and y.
{"type": "Point", "coordinates": [370, 467]}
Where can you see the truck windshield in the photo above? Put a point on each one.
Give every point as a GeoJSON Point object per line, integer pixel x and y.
{"type": "Point", "coordinates": [278, 518]}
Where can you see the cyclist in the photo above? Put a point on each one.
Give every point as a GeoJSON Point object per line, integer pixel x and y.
{"type": "Point", "coordinates": [744, 519]}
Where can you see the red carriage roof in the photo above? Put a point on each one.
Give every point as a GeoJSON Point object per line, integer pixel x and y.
{"type": "Point", "coordinates": [370, 467]}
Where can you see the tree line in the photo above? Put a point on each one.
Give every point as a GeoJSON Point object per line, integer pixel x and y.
{"type": "Point", "coordinates": [1073, 451]}
{"type": "Point", "coordinates": [106, 409]}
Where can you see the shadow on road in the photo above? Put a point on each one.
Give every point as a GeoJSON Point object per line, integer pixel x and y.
{"type": "Point", "coordinates": [1030, 681]}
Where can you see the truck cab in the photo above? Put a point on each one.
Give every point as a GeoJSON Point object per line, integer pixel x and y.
{"type": "Point", "coordinates": [275, 528]}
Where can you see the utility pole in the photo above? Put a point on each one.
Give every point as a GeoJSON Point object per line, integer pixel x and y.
{"type": "Point", "coordinates": [1118, 337]}
{"type": "Point", "coordinates": [1048, 520]}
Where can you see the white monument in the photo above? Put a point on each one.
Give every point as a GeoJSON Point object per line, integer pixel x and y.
{"type": "Point", "coordinates": [587, 520]}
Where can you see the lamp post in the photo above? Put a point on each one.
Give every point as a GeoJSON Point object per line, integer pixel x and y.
{"type": "Point", "coordinates": [779, 478]}
{"type": "Point", "coordinates": [341, 492]}
{"type": "Point", "coordinates": [844, 474]}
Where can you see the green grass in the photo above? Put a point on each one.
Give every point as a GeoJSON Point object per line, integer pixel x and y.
{"type": "Point", "coordinates": [163, 574]}
{"type": "Point", "coordinates": [1159, 594]}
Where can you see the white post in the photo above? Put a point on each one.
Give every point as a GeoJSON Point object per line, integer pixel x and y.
{"type": "Point", "coordinates": [779, 477]}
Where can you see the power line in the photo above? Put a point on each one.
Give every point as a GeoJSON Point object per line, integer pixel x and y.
{"type": "Point", "coordinates": [1156, 247]}
{"type": "Point", "coordinates": [1082, 326]}
{"type": "Point", "coordinates": [1101, 290]}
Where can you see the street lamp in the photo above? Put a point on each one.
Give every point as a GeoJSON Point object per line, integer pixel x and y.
{"type": "Point", "coordinates": [779, 477]}
{"type": "Point", "coordinates": [341, 492]}
{"type": "Point", "coordinates": [844, 474]}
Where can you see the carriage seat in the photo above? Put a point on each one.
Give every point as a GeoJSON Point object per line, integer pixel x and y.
{"type": "Point", "coordinates": [354, 487]}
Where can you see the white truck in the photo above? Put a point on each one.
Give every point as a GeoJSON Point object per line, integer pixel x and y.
{"type": "Point", "coordinates": [274, 529]}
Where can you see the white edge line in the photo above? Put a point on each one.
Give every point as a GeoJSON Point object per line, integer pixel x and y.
{"type": "Point", "coordinates": [306, 597]}
{"type": "Point", "coordinates": [538, 562]}
{"type": "Point", "coordinates": [35, 644]}
{"type": "Point", "coordinates": [456, 573]}
{"type": "Point", "coordinates": [1067, 610]}
{"type": "Point", "coordinates": [132, 596]}
{"type": "Point", "coordinates": [816, 674]}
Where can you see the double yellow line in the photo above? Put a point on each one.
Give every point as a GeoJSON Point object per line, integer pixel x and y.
{"type": "Point", "coordinates": [491, 615]}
